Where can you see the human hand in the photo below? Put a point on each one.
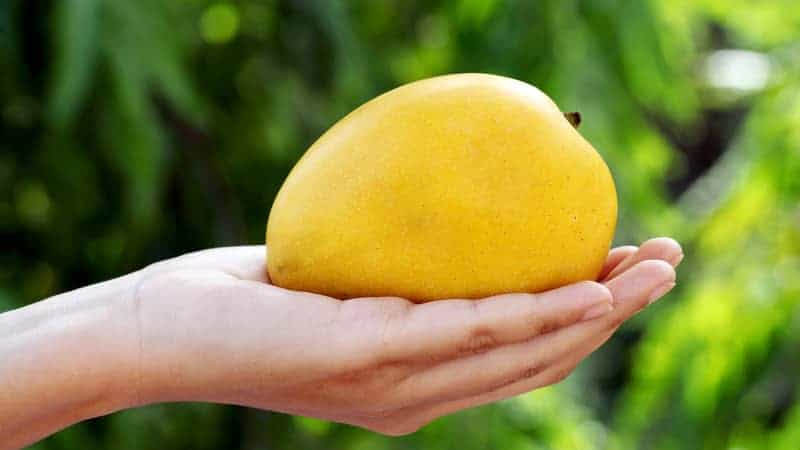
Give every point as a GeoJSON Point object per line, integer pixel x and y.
{"type": "Point", "coordinates": [212, 328]}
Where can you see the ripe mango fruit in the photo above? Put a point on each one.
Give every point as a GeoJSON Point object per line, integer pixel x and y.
{"type": "Point", "coordinates": [458, 186]}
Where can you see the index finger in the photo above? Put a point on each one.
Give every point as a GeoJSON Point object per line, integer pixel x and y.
{"type": "Point", "coordinates": [663, 248]}
{"type": "Point", "coordinates": [615, 257]}
{"type": "Point", "coordinates": [449, 329]}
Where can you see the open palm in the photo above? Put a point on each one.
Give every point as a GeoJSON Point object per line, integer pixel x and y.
{"type": "Point", "coordinates": [212, 328]}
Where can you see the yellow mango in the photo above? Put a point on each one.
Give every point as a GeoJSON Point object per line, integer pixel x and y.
{"type": "Point", "coordinates": [458, 186]}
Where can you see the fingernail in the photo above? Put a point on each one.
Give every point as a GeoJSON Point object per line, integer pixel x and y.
{"type": "Point", "coordinates": [659, 291]}
{"type": "Point", "coordinates": [597, 311]}
{"type": "Point", "coordinates": [676, 260]}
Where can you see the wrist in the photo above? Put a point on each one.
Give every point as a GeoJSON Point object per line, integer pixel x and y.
{"type": "Point", "coordinates": [70, 357]}
{"type": "Point", "coordinates": [181, 355]}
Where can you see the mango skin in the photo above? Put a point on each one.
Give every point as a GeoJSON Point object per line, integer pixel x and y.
{"type": "Point", "coordinates": [458, 186]}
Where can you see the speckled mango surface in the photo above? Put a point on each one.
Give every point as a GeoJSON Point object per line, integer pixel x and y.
{"type": "Point", "coordinates": [459, 186]}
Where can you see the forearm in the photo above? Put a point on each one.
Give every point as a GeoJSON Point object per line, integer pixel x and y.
{"type": "Point", "coordinates": [65, 359]}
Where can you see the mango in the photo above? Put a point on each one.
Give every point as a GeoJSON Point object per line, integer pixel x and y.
{"type": "Point", "coordinates": [458, 186]}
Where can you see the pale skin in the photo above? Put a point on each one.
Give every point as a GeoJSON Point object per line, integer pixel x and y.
{"type": "Point", "coordinates": [209, 327]}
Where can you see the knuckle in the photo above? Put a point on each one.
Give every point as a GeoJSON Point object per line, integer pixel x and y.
{"type": "Point", "coordinates": [522, 376]}
{"type": "Point", "coordinates": [545, 326]}
{"type": "Point", "coordinates": [531, 372]}
{"type": "Point", "coordinates": [479, 341]}
{"type": "Point", "coordinates": [390, 373]}
{"type": "Point", "coordinates": [374, 378]}
{"type": "Point", "coordinates": [432, 358]}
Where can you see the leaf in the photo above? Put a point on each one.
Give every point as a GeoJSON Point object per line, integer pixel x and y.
{"type": "Point", "coordinates": [8, 300]}
{"type": "Point", "coordinates": [75, 46]}
{"type": "Point", "coordinates": [136, 142]}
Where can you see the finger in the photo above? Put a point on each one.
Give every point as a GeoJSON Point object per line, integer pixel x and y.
{"type": "Point", "coordinates": [411, 418]}
{"type": "Point", "coordinates": [665, 249]}
{"type": "Point", "coordinates": [616, 256]}
{"type": "Point", "coordinates": [630, 295]}
{"type": "Point", "coordinates": [447, 329]}
{"type": "Point", "coordinates": [551, 375]}
{"type": "Point", "coordinates": [246, 262]}
{"type": "Point", "coordinates": [512, 363]}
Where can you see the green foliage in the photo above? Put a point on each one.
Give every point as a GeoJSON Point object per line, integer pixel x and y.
{"type": "Point", "coordinates": [134, 131]}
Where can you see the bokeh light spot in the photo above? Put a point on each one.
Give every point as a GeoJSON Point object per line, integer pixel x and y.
{"type": "Point", "coordinates": [220, 23]}
{"type": "Point", "coordinates": [33, 204]}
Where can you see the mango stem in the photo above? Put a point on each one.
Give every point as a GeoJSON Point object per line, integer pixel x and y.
{"type": "Point", "coordinates": [574, 118]}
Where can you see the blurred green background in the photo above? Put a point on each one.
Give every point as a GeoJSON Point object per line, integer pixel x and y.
{"type": "Point", "coordinates": [132, 131]}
